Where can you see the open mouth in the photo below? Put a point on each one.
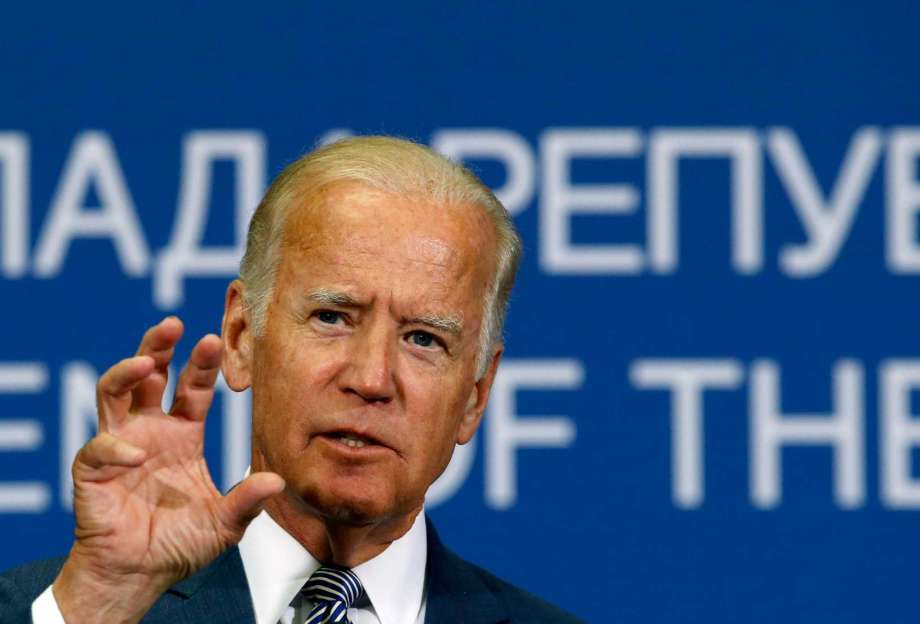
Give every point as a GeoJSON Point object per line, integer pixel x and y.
{"type": "Point", "coordinates": [352, 439]}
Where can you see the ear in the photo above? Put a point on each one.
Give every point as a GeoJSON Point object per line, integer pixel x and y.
{"type": "Point", "coordinates": [236, 333]}
{"type": "Point", "coordinates": [479, 396]}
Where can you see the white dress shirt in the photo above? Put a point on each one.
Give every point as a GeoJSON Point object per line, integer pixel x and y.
{"type": "Point", "coordinates": [277, 566]}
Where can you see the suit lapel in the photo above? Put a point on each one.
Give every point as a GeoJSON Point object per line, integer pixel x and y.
{"type": "Point", "coordinates": [216, 593]}
{"type": "Point", "coordinates": [220, 593]}
{"type": "Point", "coordinates": [455, 592]}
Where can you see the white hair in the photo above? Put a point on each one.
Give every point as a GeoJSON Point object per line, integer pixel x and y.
{"type": "Point", "coordinates": [388, 164]}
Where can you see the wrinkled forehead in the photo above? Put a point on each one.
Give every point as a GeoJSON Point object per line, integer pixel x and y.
{"type": "Point", "coordinates": [352, 226]}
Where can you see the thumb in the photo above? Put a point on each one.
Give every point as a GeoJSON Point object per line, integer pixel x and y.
{"type": "Point", "coordinates": [245, 501]}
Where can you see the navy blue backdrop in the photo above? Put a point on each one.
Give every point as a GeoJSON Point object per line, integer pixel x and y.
{"type": "Point", "coordinates": [707, 405]}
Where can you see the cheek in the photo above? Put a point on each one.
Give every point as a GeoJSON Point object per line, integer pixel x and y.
{"type": "Point", "coordinates": [273, 388]}
{"type": "Point", "coordinates": [285, 362]}
{"type": "Point", "coordinates": [287, 379]}
{"type": "Point", "coordinates": [438, 411]}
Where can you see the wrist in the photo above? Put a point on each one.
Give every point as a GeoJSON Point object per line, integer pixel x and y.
{"type": "Point", "coordinates": [90, 593]}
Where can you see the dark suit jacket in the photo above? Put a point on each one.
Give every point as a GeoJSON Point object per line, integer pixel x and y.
{"type": "Point", "coordinates": [457, 590]}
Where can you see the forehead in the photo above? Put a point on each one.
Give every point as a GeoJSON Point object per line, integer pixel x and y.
{"type": "Point", "coordinates": [359, 236]}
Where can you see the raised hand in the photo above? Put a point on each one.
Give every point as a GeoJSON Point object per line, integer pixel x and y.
{"type": "Point", "coordinates": [147, 512]}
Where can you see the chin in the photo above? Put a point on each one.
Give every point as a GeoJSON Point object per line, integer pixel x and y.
{"type": "Point", "coordinates": [345, 513]}
{"type": "Point", "coordinates": [350, 506]}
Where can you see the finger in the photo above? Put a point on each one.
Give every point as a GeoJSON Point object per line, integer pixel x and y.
{"type": "Point", "coordinates": [159, 342]}
{"type": "Point", "coordinates": [195, 389]}
{"type": "Point", "coordinates": [244, 502]}
{"type": "Point", "coordinates": [113, 392]}
{"type": "Point", "coordinates": [106, 456]}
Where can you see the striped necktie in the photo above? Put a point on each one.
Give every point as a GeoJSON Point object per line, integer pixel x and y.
{"type": "Point", "coordinates": [332, 591]}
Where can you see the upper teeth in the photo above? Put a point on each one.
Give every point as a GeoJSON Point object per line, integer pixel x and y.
{"type": "Point", "coordinates": [352, 442]}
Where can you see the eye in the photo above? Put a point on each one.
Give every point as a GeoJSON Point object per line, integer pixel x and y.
{"type": "Point", "coordinates": [328, 317]}
{"type": "Point", "coordinates": [422, 339]}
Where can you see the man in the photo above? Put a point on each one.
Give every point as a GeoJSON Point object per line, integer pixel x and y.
{"type": "Point", "coordinates": [367, 322]}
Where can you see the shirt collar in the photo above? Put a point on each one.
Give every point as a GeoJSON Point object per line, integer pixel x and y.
{"type": "Point", "coordinates": [395, 579]}
{"type": "Point", "coordinates": [277, 566]}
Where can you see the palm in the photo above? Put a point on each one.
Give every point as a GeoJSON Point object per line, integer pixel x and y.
{"type": "Point", "coordinates": [143, 497]}
{"type": "Point", "coordinates": [160, 516]}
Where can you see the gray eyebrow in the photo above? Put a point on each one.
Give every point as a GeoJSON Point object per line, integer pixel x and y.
{"type": "Point", "coordinates": [327, 296]}
{"type": "Point", "coordinates": [448, 324]}
{"type": "Point", "coordinates": [332, 297]}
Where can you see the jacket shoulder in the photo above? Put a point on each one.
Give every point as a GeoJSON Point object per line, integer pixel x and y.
{"type": "Point", "coordinates": [218, 592]}
{"type": "Point", "coordinates": [20, 586]}
{"type": "Point", "coordinates": [522, 605]}
{"type": "Point", "coordinates": [464, 592]}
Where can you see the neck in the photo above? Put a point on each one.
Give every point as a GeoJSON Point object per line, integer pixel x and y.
{"type": "Point", "coordinates": [336, 542]}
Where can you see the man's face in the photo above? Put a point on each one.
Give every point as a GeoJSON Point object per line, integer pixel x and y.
{"type": "Point", "coordinates": [365, 376]}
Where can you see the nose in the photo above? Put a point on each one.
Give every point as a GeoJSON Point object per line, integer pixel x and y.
{"type": "Point", "coordinates": [369, 373]}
